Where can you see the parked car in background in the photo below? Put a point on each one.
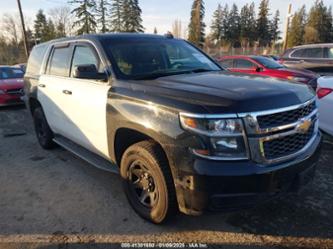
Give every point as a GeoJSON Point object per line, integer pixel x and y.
{"type": "Point", "coordinates": [315, 57]}
{"type": "Point", "coordinates": [11, 85]}
{"type": "Point", "coordinates": [22, 66]}
{"type": "Point", "coordinates": [325, 101]}
{"type": "Point", "coordinates": [264, 66]}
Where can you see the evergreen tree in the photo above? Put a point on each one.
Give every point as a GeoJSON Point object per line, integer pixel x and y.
{"type": "Point", "coordinates": [116, 16]}
{"type": "Point", "coordinates": [40, 27]}
{"type": "Point", "coordinates": [102, 13]}
{"type": "Point", "coordinates": [217, 24]}
{"type": "Point", "coordinates": [197, 25]}
{"type": "Point", "coordinates": [60, 30]}
{"type": "Point", "coordinates": [320, 20]}
{"type": "Point", "coordinates": [233, 33]}
{"type": "Point", "coordinates": [84, 13]}
{"type": "Point", "coordinates": [274, 27]}
{"type": "Point", "coordinates": [297, 28]}
{"type": "Point", "coordinates": [155, 31]}
{"type": "Point", "coordinates": [263, 34]}
{"type": "Point", "coordinates": [50, 32]}
{"type": "Point", "coordinates": [247, 25]}
{"type": "Point", "coordinates": [131, 16]}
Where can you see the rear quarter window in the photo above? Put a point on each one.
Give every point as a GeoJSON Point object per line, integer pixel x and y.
{"type": "Point", "coordinates": [36, 59]}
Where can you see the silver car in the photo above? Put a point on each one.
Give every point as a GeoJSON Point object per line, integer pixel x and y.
{"type": "Point", "coordinates": [325, 101]}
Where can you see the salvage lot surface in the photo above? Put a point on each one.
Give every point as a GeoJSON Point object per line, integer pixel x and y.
{"type": "Point", "coordinates": [53, 197]}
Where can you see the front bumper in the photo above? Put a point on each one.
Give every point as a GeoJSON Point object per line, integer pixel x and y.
{"type": "Point", "coordinates": [10, 99]}
{"type": "Point", "coordinates": [216, 185]}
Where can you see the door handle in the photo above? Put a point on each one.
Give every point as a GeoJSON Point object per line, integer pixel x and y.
{"type": "Point", "coordinates": [67, 92]}
{"type": "Point", "coordinates": [42, 85]}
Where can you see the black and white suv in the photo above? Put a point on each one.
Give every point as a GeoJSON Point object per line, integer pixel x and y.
{"type": "Point", "coordinates": [183, 133]}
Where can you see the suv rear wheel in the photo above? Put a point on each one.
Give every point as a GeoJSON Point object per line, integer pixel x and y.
{"type": "Point", "coordinates": [43, 131]}
{"type": "Point", "coordinates": [147, 181]}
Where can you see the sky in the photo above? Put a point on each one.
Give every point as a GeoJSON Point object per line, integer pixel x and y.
{"type": "Point", "coordinates": [159, 13]}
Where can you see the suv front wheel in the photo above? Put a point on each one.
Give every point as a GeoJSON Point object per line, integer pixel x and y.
{"type": "Point", "coordinates": [147, 181]}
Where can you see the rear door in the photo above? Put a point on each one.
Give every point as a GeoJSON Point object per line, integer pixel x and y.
{"type": "Point", "coordinates": [51, 83]}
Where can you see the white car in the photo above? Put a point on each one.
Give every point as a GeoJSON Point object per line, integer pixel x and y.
{"type": "Point", "coordinates": [325, 100]}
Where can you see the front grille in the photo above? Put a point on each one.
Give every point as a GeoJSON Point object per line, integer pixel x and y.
{"type": "Point", "coordinates": [284, 118]}
{"type": "Point", "coordinates": [16, 91]}
{"type": "Point", "coordinates": [287, 145]}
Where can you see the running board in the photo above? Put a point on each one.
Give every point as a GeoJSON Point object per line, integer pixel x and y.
{"type": "Point", "coordinates": [86, 155]}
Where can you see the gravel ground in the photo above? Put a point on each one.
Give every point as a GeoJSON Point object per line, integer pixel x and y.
{"type": "Point", "coordinates": [51, 199]}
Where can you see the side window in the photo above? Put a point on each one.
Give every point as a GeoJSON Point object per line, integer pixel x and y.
{"type": "Point", "coordinates": [227, 63]}
{"type": "Point", "coordinates": [330, 53]}
{"type": "Point", "coordinates": [314, 53]}
{"type": "Point", "coordinates": [239, 63]}
{"type": "Point", "coordinates": [84, 55]}
{"type": "Point", "coordinates": [60, 62]}
{"type": "Point", "coordinates": [298, 54]}
{"type": "Point", "coordinates": [36, 59]}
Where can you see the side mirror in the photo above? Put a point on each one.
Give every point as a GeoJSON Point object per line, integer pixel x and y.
{"type": "Point", "coordinates": [88, 72]}
{"type": "Point", "coordinates": [259, 69]}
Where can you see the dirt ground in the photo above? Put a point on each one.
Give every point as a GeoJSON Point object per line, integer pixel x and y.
{"type": "Point", "coordinates": [51, 199]}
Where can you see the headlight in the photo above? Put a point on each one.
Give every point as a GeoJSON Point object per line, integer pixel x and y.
{"type": "Point", "coordinates": [298, 79]}
{"type": "Point", "coordinates": [224, 137]}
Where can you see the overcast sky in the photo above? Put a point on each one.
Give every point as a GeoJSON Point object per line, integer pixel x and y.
{"type": "Point", "coordinates": [158, 13]}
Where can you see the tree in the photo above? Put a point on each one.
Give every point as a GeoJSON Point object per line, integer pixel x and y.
{"type": "Point", "coordinates": [320, 19]}
{"type": "Point", "coordinates": [297, 28]}
{"type": "Point", "coordinates": [85, 18]}
{"type": "Point", "coordinates": [102, 13]}
{"type": "Point", "coordinates": [63, 20]}
{"type": "Point", "coordinates": [116, 16]}
{"type": "Point", "coordinates": [217, 24]}
{"type": "Point", "coordinates": [131, 16]}
{"type": "Point", "coordinates": [233, 33]}
{"type": "Point", "coordinates": [155, 31]}
{"type": "Point", "coordinates": [11, 28]}
{"type": "Point", "coordinates": [40, 27]}
{"type": "Point", "coordinates": [177, 28]}
{"type": "Point", "coordinates": [197, 25]}
{"type": "Point", "coordinates": [274, 27]}
{"type": "Point", "coordinates": [247, 25]}
{"type": "Point", "coordinates": [263, 34]}
{"type": "Point", "coordinates": [50, 32]}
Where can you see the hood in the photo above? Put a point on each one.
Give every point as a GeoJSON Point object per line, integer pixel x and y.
{"type": "Point", "coordinates": [299, 72]}
{"type": "Point", "coordinates": [8, 84]}
{"type": "Point", "coordinates": [223, 92]}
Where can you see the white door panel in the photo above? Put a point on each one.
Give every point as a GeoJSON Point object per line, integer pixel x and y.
{"type": "Point", "coordinates": [86, 111]}
{"type": "Point", "coordinates": [49, 95]}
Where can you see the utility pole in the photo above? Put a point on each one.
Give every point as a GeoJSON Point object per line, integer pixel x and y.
{"type": "Point", "coordinates": [25, 40]}
{"type": "Point", "coordinates": [285, 44]}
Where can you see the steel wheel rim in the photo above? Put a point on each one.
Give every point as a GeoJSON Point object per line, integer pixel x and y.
{"type": "Point", "coordinates": [142, 184]}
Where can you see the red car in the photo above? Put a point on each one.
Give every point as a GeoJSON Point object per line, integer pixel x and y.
{"type": "Point", "coordinates": [264, 66]}
{"type": "Point", "coordinates": [11, 86]}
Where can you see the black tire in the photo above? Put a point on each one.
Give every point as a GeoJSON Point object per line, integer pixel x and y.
{"type": "Point", "coordinates": [42, 129]}
{"type": "Point", "coordinates": [161, 202]}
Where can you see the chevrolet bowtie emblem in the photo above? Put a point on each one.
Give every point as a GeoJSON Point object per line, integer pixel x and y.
{"type": "Point", "coordinates": [304, 126]}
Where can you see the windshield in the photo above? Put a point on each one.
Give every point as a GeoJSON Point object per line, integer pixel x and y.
{"type": "Point", "coordinates": [10, 73]}
{"type": "Point", "coordinates": [268, 63]}
{"type": "Point", "coordinates": [152, 58]}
